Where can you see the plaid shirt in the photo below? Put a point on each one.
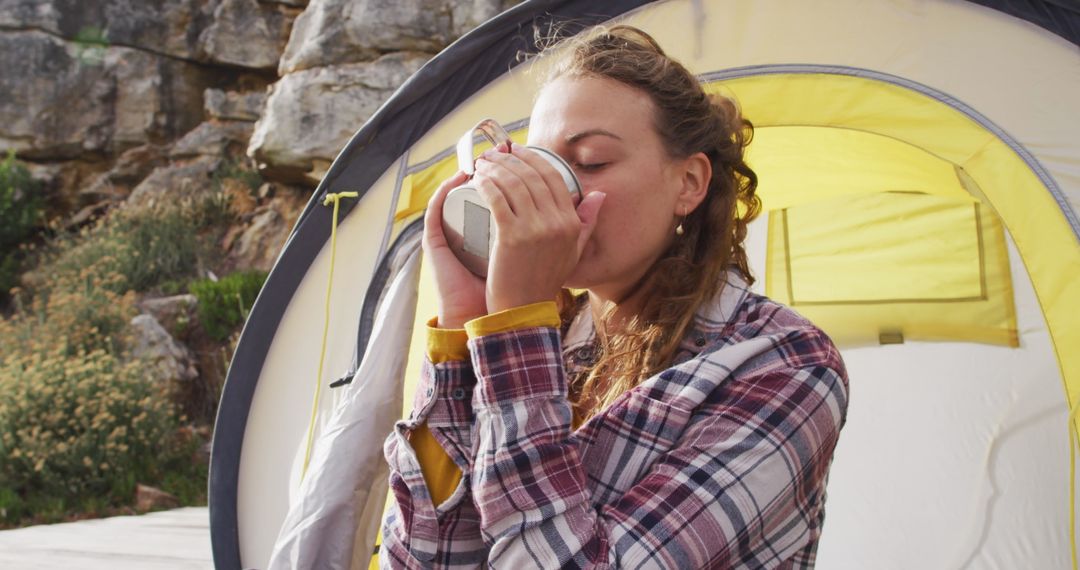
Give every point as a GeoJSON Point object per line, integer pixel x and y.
{"type": "Point", "coordinates": [720, 461]}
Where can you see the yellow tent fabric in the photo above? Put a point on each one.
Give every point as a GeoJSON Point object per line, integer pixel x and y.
{"type": "Point", "coordinates": [886, 268]}
{"type": "Point", "coordinates": [1001, 176]}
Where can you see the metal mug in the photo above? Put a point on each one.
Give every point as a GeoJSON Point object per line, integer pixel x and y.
{"type": "Point", "coordinates": [466, 219]}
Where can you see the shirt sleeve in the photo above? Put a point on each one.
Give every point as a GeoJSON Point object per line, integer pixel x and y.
{"type": "Point", "coordinates": [740, 488]}
{"type": "Point", "coordinates": [430, 452]}
{"type": "Point", "coordinates": [434, 444]}
{"type": "Point", "coordinates": [440, 472]}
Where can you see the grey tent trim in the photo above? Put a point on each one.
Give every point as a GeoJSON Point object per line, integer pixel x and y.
{"type": "Point", "coordinates": [438, 88]}
{"type": "Point", "coordinates": [1028, 158]}
{"type": "Point", "coordinates": [510, 128]}
{"type": "Point", "coordinates": [390, 215]}
{"type": "Point", "coordinates": [383, 274]}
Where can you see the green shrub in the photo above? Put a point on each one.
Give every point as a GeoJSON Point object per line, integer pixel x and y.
{"type": "Point", "coordinates": [146, 247]}
{"type": "Point", "coordinates": [235, 170]}
{"type": "Point", "coordinates": [225, 304]}
{"type": "Point", "coordinates": [80, 424]}
{"type": "Point", "coordinates": [20, 214]}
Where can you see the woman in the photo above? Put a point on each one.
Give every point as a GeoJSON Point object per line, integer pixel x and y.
{"type": "Point", "coordinates": [665, 418]}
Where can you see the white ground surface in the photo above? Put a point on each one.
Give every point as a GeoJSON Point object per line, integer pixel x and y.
{"type": "Point", "coordinates": [166, 540]}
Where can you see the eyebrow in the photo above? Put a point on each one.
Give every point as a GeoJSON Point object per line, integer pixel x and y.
{"type": "Point", "coordinates": [591, 132]}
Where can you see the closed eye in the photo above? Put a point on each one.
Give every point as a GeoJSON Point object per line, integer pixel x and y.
{"type": "Point", "coordinates": [590, 167]}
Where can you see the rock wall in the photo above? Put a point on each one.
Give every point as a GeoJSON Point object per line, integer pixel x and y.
{"type": "Point", "coordinates": [111, 100]}
{"type": "Point", "coordinates": [343, 59]}
{"type": "Point", "coordinates": [124, 103]}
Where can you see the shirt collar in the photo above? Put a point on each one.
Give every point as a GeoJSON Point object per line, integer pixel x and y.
{"type": "Point", "coordinates": [711, 319]}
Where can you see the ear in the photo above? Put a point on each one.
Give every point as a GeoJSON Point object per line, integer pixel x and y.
{"type": "Point", "coordinates": [695, 174]}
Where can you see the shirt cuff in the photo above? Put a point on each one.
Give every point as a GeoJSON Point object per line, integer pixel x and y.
{"type": "Point", "coordinates": [542, 314]}
{"type": "Point", "coordinates": [518, 365]}
{"type": "Point", "coordinates": [444, 345]}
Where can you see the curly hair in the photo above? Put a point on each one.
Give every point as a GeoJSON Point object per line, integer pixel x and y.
{"type": "Point", "coordinates": [693, 269]}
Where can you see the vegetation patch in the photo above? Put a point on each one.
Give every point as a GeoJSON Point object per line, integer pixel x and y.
{"type": "Point", "coordinates": [80, 424]}
{"type": "Point", "coordinates": [224, 304]}
{"type": "Point", "coordinates": [141, 249]}
{"type": "Point", "coordinates": [21, 207]}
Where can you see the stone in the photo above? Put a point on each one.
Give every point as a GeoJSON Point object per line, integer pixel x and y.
{"type": "Point", "coordinates": [332, 32]}
{"type": "Point", "coordinates": [86, 215]}
{"type": "Point", "coordinates": [166, 359]}
{"type": "Point", "coordinates": [213, 138]}
{"type": "Point", "coordinates": [135, 163]}
{"type": "Point", "coordinates": [233, 106]}
{"type": "Point", "coordinates": [175, 313]}
{"type": "Point", "coordinates": [49, 176]}
{"type": "Point", "coordinates": [57, 106]}
{"type": "Point", "coordinates": [168, 27]}
{"type": "Point", "coordinates": [149, 498]}
{"type": "Point", "coordinates": [311, 114]}
{"type": "Point", "coordinates": [245, 33]}
{"type": "Point", "coordinates": [258, 245]}
{"type": "Point", "coordinates": [157, 98]}
{"type": "Point", "coordinates": [174, 181]}
{"type": "Point", "coordinates": [128, 170]}
{"type": "Point", "coordinates": [60, 182]}
{"type": "Point", "coordinates": [53, 107]}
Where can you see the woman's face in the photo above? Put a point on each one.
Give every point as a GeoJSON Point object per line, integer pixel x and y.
{"type": "Point", "coordinates": [604, 129]}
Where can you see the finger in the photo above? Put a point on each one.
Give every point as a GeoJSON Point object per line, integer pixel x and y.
{"type": "Point", "coordinates": [516, 191]}
{"type": "Point", "coordinates": [553, 180]}
{"type": "Point", "coordinates": [589, 211]}
{"type": "Point", "coordinates": [532, 179]}
{"type": "Point", "coordinates": [501, 213]}
{"type": "Point", "coordinates": [433, 230]}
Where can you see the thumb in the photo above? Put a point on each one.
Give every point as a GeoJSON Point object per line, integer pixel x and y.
{"type": "Point", "coordinates": [588, 212]}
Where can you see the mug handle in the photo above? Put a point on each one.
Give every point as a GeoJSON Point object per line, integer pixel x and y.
{"type": "Point", "coordinates": [491, 130]}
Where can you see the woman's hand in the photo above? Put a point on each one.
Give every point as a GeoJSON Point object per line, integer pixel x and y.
{"type": "Point", "coordinates": [539, 234]}
{"type": "Point", "coordinates": [460, 293]}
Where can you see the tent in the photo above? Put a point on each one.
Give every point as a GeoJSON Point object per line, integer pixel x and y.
{"type": "Point", "coordinates": [920, 171]}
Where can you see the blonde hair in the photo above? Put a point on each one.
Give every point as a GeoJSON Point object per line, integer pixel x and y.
{"type": "Point", "coordinates": [693, 269]}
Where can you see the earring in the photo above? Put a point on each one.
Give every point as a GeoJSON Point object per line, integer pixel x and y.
{"type": "Point", "coordinates": [679, 229]}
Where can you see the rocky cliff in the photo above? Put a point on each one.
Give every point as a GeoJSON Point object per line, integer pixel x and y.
{"type": "Point", "coordinates": [123, 104]}
{"type": "Point", "coordinates": [116, 100]}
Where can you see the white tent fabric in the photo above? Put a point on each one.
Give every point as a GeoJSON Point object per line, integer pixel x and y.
{"type": "Point", "coordinates": [340, 500]}
{"type": "Point", "coordinates": [954, 454]}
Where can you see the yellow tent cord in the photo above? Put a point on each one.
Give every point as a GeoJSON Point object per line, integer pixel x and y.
{"type": "Point", "coordinates": [334, 199]}
{"type": "Point", "coordinates": [1072, 481]}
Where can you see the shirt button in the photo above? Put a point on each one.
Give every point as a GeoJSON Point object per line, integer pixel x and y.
{"type": "Point", "coordinates": [458, 394]}
{"type": "Point", "coordinates": [430, 391]}
{"type": "Point", "coordinates": [699, 341]}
